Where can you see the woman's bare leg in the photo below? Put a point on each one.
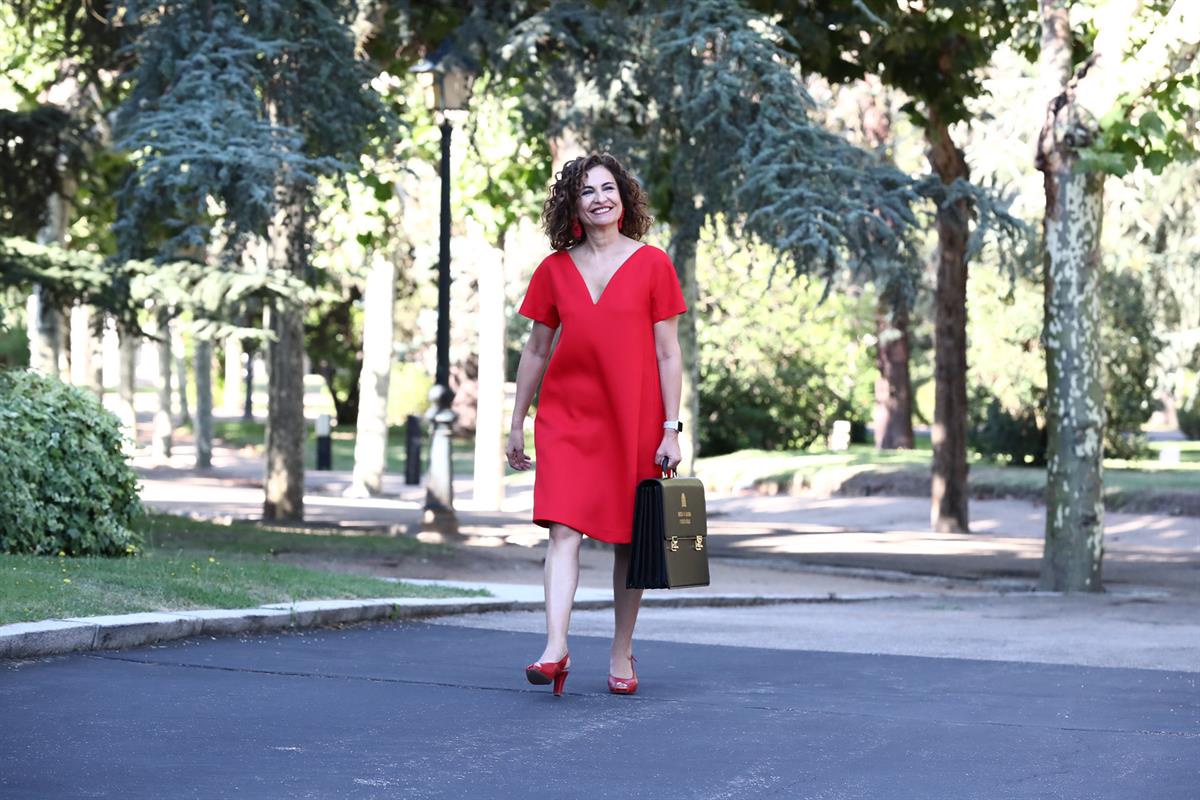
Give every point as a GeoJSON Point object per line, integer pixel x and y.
{"type": "Point", "coordinates": [561, 578]}
{"type": "Point", "coordinates": [626, 603]}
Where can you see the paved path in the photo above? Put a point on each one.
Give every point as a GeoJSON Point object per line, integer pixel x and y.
{"type": "Point", "coordinates": [436, 711]}
{"type": "Point", "coordinates": [875, 533]}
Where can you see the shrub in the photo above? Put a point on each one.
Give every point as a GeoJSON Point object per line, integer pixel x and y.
{"type": "Point", "coordinates": [64, 483]}
{"type": "Point", "coordinates": [1003, 435]}
{"type": "Point", "coordinates": [778, 360]}
{"type": "Point", "coordinates": [787, 406]}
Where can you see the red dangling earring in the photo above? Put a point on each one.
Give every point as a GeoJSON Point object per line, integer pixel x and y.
{"type": "Point", "coordinates": [621, 221]}
{"type": "Point", "coordinates": [576, 229]}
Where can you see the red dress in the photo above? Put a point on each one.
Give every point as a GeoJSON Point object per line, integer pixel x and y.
{"type": "Point", "coordinates": [600, 412]}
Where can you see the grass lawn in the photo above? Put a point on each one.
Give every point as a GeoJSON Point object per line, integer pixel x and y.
{"type": "Point", "coordinates": [190, 564]}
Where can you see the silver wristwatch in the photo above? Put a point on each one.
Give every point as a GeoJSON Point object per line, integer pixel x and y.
{"type": "Point", "coordinates": [673, 425]}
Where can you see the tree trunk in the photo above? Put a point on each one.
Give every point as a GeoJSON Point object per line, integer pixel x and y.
{"type": "Point", "coordinates": [44, 323]}
{"type": "Point", "coordinates": [371, 431]}
{"type": "Point", "coordinates": [204, 404]}
{"type": "Point", "coordinates": [1074, 382]}
{"type": "Point", "coordinates": [893, 387]}
{"type": "Point", "coordinates": [83, 347]}
{"type": "Point", "coordinates": [489, 406]}
{"type": "Point", "coordinates": [127, 382]}
{"type": "Point", "coordinates": [248, 386]}
{"type": "Point", "coordinates": [164, 427]}
{"type": "Point", "coordinates": [685, 235]}
{"type": "Point", "coordinates": [183, 411]}
{"type": "Point", "coordinates": [1074, 546]}
{"type": "Point", "coordinates": [284, 480]}
{"type": "Point", "coordinates": [949, 488]}
{"type": "Point", "coordinates": [44, 329]}
{"type": "Point", "coordinates": [231, 403]}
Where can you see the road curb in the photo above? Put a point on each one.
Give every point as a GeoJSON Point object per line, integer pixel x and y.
{"type": "Point", "coordinates": [24, 640]}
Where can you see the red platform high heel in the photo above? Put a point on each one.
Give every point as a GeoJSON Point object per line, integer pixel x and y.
{"type": "Point", "coordinates": [624, 685]}
{"type": "Point", "coordinates": [540, 673]}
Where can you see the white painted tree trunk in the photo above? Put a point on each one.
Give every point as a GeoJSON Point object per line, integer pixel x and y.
{"type": "Point", "coordinates": [83, 349]}
{"type": "Point", "coordinates": [183, 411]}
{"type": "Point", "coordinates": [127, 383]}
{"type": "Point", "coordinates": [233, 400]}
{"type": "Point", "coordinates": [204, 404]}
{"type": "Point", "coordinates": [164, 427]}
{"type": "Point", "coordinates": [44, 323]}
{"type": "Point", "coordinates": [44, 327]}
{"type": "Point", "coordinates": [489, 405]}
{"type": "Point", "coordinates": [371, 431]}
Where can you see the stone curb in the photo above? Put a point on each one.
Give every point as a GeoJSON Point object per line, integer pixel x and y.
{"type": "Point", "coordinates": [117, 631]}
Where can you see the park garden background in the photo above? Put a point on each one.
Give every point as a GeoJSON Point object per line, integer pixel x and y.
{"type": "Point", "coordinates": [969, 229]}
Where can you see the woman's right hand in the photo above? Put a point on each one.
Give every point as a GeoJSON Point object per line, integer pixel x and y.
{"type": "Point", "coordinates": [516, 451]}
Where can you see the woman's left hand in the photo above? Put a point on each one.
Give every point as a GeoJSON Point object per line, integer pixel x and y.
{"type": "Point", "coordinates": [668, 449]}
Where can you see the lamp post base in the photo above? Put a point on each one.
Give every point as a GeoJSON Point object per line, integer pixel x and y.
{"type": "Point", "coordinates": [438, 518]}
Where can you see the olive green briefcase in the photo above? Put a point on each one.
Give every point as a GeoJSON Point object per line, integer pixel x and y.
{"type": "Point", "coordinates": [670, 532]}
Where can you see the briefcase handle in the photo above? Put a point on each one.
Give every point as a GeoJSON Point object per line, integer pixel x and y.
{"type": "Point", "coordinates": [666, 472]}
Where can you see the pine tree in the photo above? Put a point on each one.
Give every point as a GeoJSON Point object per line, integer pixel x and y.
{"type": "Point", "coordinates": [237, 108]}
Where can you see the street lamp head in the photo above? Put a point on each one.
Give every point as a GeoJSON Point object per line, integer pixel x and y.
{"type": "Point", "coordinates": [448, 76]}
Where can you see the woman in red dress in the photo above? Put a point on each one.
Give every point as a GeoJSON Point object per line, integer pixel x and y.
{"type": "Point", "coordinates": [608, 413]}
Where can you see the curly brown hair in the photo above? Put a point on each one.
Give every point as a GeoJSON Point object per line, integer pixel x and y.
{"type": "Point", "coordinates": [558, 216]}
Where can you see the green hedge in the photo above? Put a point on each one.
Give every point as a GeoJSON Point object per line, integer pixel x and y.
{"type": "Point", "coordinates": [65, 486]}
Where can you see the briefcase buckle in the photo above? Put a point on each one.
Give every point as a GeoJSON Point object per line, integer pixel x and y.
{"type": "Point", "coordinates": [674, 544]}
{"type": "Point", "coordinates": [699, 542]}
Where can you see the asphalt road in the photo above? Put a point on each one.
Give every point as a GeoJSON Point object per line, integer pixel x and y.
{"type": "Point", "coordinates": [442, 711]}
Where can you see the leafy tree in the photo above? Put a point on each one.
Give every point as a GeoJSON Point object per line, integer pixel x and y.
{"type": "Point", "coordinates": [1125, 102]}
{"type": "Point", "coordinates": [705, 100]}
{"type": "Point", "coordinates": [934, 52]}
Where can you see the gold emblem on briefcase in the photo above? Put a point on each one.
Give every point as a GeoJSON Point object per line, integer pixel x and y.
{"type": "Point", "coordinates": [685, 516]}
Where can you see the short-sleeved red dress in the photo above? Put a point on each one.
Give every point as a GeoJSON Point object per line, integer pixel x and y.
{"type": "Point", "coordinates": [600, 412]}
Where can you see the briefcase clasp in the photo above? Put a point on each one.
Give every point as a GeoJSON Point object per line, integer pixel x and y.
{"type": "Point", "coordinates": [699, 542]}
{"type": "Point", "coordinates": [674, 544]}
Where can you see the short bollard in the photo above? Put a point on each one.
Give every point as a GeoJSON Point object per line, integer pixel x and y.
{"type": "Point", "coordinates": [412, 450]}
{"type": "Point", "coordinates": [324, 443]}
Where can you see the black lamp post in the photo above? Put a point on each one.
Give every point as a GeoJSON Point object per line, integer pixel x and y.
{"type": "Point", "coordinates": [448, 76]}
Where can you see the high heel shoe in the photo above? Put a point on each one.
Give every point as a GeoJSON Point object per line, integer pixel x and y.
{"type": "Point", "coordinates": [624, 685]}
{"type": "Point", "coordinates": [542, 672]}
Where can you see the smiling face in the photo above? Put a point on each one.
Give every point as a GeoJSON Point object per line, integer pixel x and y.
{"type": "Point", "coordinates": [599, 203]}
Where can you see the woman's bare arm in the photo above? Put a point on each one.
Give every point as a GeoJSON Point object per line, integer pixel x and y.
{"type": "Point", "coordinates": [529, 372]}
{"type": "Point", "coordinates": [670, 379]}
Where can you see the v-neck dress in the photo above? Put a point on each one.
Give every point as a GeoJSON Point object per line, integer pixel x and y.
{"type": "Point", "coordinates": [600, 412]}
